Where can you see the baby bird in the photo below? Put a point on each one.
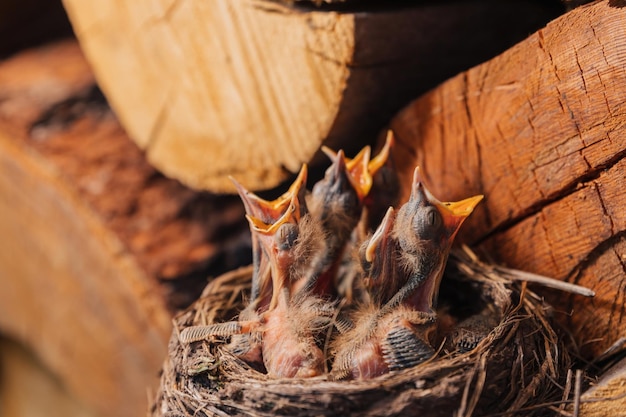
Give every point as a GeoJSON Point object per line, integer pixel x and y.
{"type": "Point", "coordinates": [246, 338]}
{"type": "Point", "coordinates": [268, 212]}
{"type": "Point", "coordinates": [423, 231]}
{"type": "Point", "coordinates": [282, 331]}
{"type": "Point", "coordinates": [336, 203]}
{"type": "Point", "coordinates": [335, 207]}
{"type": "Point", "coordinates": [292, 323]}
{"type": "Point", "coordinates": [385, 338]}
{"type": "Point", "coordinates": [403, 265]}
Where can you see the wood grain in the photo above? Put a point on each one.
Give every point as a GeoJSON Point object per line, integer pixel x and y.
{"type": "Point", "coordinates": [69, 287]}
{"type": "Point", "coordinates": [607, 395]}
{"type": "Point", "coordinates": [97, 247]}
{"type": "Point", "coordinates": [23, 378]}
{"type": "Point", "coordinates": [252, 88]}
{"type": "Point", "coordinates": [539, 131]}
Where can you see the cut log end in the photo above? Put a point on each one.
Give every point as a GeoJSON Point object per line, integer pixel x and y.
{"type": "Point", "coordinates": [253, 88]}
{"type": "Point", "coordinates": [537, 131]}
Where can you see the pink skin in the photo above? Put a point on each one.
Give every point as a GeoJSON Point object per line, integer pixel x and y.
{"type": "Point", "coordinates": [287, 352]}
{"type": "Point", "coordinates": [368, 362]}
{"type": "Point", "coordinates": [288, 347]}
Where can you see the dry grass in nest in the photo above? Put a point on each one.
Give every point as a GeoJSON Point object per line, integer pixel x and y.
{"type": "Point", "coordinates": [517, 369]}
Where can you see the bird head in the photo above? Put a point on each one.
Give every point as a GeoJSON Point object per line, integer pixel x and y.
{"type": "Point", "coordinates": [360, 170]}
{"type": "Point", "coordinates": [424, 221]}
{"type": "Point", "coordinates": [335, 194]}
{"type": "Point", "coordinates": [277, 241]}
{"type": "Point", "coordinates": [425, 229]}
{"type": "Point", "coordinates": [268, 212]}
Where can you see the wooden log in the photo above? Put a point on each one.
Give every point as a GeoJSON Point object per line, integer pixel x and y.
{"type": "Point", "coordinates": [607, 395]}
{"type": "Point", "coordinates": [23, 378]}
{"type": "Point", "coordinates": [539, 130]}
{"type": "Point", "coordinates": [94, 240]}
{"type": "Point", "coordinates": [252, 88]}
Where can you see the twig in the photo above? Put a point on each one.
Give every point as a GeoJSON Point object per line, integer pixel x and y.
{"type": "Point", "coordinates": [532, 386]}
{"type": "Point", "coordinates": [518, 275]}
{"type": "Point", "coordinates": [577, 389]}
{"type": "Point", "coordinates": [469, 404]}
{"type": "Point", "coordinates": [567, 389]}
{"type": "Point", "coordinates": [559, 411]}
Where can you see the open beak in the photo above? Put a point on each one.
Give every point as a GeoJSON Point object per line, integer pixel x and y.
{"type": "Point", "coordinates": [269, 211]}
{"type": "Point", "coordinates": [357, 169]}
{"type": "Point", "coordinates": [453, 213]}
{"type": "Point", "coordinates": [271, 239]}
{"type": "Point", "coordinates": [381, 159]}
{"type": "Point", "coordinates": [362, 168]}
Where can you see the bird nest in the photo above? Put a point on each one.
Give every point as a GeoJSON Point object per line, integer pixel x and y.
{"type": "Point", "coordinates": [517, 367]}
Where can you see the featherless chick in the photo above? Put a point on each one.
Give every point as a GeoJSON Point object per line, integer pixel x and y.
{"type": "Point", "coordinates": [268, 212]}
{"type": "Point", "coordinates": [336, 203]}
{"type": "Point", "coordinates": [246, 339]}
{"type": "Point", "coordinates": [275, 328]}
{"type": "Point", "coordinates": [293, 323]}
{"type": "Point", "coordinates": [403, 263]}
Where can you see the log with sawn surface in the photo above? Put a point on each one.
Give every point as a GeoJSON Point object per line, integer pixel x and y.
{"type": "Point", "coordinates": [95, 244]}
{"type": "Point", "coordinates": [606, 396]}
{"type": "Point", "coordinates": [541, 131]}
{"type": "Point", "coordinates": [252, 88]}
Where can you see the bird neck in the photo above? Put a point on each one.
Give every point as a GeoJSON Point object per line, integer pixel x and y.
{"type": "Point", "coordinates": [421, 282]}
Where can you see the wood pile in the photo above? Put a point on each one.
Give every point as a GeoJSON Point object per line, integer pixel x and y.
{"type": "Point", "coordinates": [109, 227]}
{"type": "Point", "coordinates": [291, 76]}
{"type": "Point", "coordinates": [99, 249]}
{"type": "Point", "coordinates": [538, 130]}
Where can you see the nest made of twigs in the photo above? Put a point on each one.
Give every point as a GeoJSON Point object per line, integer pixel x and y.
{"type": "Point", "coordinates": [516, 368]}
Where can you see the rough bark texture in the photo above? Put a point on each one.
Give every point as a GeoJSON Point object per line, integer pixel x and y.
{"type": "Point", "coordinates": [539, 130]}
{"type": "Point", "coordinates": [90, 231]}
{"type": "Point", "coordinates": [252, 88]}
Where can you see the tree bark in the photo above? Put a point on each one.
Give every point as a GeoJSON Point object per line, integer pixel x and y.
{"type": "Point", "coordinates": [252, 88]}
{"type": "Point", "coordinates": [539, 130]}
